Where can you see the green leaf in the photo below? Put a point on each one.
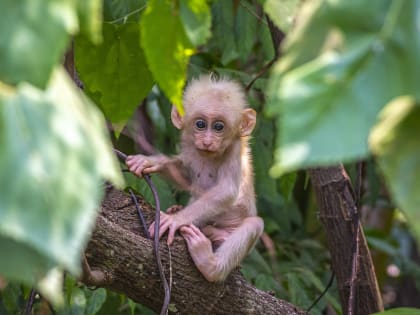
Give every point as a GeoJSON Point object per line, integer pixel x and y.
{"type": "Point", "coordinates": [90, 17]}
{"type": "Point", "coordinates": [196, 19]}
{"type": "Point", "coordinates": [328, 89]}
{"type": "Point", "coordinates": [396, 143]}
{"type": "Point", "coordinates": [246, 32]}
{"type": "Point", "coordinates": [55, 154]}
{"type": "Point", "coordinates": [224, 30]}
{"type": "Point", "coordinates": [115, 73]}
{"type": "Point", "coordinates": [400, 311]}
{"type": "Point", "coordinates": [123, 11]}
{"type": "Point", "coordinates": [166, 47]}
{"type": "Point", "coordinates": [34, 36]}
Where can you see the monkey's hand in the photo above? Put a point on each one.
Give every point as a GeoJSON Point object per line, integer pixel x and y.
{"type": "Point", "coordinates": [168, 222]}
{"type": "Point", "coordinates": [141, 164]}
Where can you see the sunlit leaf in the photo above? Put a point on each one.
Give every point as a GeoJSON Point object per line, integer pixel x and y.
{"type": "Point", "coordinates": [34, 36]}
{"type": "Point", "coordinates": [396, 143]}
{"type": "Point", "coordinates": [166, 47]}
{"type": "Point", "coordinates": [115, 74]}
{"type": "Point", "coordinates": [90, 17]}
{"type": "Point", "coordinates": [55, 155]}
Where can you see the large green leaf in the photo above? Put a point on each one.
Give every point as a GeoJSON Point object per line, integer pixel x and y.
{"type": "Point", "coordinates": [115, 73]}
{"type": "Point", "coordinates": [196, 18]}
{"type": "Point", "coordinates": [34, 35]}
{"type": "Point", "coordinates": [342, 64]}
{"type": "Point", "coordinates": [55, 155]}
{"type": "Point", "coordinates": [396, 143]}
{"type": "Point", "coordinates": [166, 47]}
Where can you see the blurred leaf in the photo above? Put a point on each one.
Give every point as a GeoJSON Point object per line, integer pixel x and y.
{"type": "Point", "coordinates": [223, 30]}
{"type": "Point", "coordinates": [196, 18]}
{"type": "Point", "coordinates": [123, 11]}
{"type": "Point", "coordinates": [265, 186]}
{"type": "Point", "coordinates": [34, 36]}
{"type": "Point", "coordinates": [115, 73]}
{"type": "Point", "coordinates": [317, 283]}
{"type": "Point", "coordinates": [400, 311]}
{"type": "Point", "coordinates": [331, 83]}
{"type": "Point", "coordinates": [282, 12]}
{"type": "Point", "coordinates": [166, 47]}
{"type": "Point", "coordinates": [55, 155]}
{"type": "Point", "coordinates": [396, 143]}
{"type": "Point", "coordinates": [95, 301]}
{"type": "Point", "coordinates": [382, 245]}
{"type": "Point", "coordinates": [298, 294]}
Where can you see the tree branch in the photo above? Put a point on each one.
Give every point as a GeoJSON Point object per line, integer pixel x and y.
{"type": "Point", "coordinates": [120, 250]}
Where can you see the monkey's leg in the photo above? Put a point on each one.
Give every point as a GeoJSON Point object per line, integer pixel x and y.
{"type": "Point", "coordinates": [216, 266]}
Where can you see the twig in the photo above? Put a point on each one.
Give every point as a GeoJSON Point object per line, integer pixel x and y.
{"type": "Point", "coordinates": [323, 292]}
{"type": "Point", "coordinates": [356, 247]}
{"type": "Point", "coordinates": [277, 37]}
{"type": "Point", "coordinates": [165, 306]}
{"type": "Point", "coordinates": [30, 303]}
{"type": "Point", "coordinates": [140, 213]}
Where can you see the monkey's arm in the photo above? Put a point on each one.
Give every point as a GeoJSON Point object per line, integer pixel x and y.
{"type": "Point", "coordinates": [170, 167]}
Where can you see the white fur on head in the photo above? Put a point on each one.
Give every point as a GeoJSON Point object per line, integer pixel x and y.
{"type": "Point", "coordinates": [229, 92]}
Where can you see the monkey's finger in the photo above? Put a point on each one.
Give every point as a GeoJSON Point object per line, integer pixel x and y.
{"type": "Point", "coordinates": [151, 169]}
{"type": "Point", "coordinates": [163, 228]}
{"type": "Point", "coordinates": [152, 229]}
{"type": "Point", "coordinates": [171, 235]}
{"type": "Point", "coordinates": [195, 230]}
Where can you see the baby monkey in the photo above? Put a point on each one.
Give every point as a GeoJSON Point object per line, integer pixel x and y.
{"type": "Point", "coordinates": [220, 223]}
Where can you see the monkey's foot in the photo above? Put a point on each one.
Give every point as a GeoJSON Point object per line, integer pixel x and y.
{"type": "Point", "coordinates": [174, 209]}
{"type": "Point", "coordinates": [216, 235]}
{"type": "Point", "coordinates": [201, 251]}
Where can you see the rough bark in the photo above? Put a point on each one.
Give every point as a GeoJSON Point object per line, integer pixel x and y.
{"type": "Point", "coordinates": [336, 202]}
{"type": "Point", "coordinates": [119, 249]}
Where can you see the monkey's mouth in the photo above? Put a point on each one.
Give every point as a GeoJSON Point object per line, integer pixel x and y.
{"type": "Point", "coordinates": [207, 151]}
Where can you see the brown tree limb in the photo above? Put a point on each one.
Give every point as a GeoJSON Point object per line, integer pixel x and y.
{"type": "Point", "coordinates": [119, 250]}
{"type": "Point", "coordinates": [337, 203]}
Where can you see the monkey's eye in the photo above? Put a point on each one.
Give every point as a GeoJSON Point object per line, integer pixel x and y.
{"type": "Point", "coordinates": [218, 126]}
{"type": "Point", "coordinates": [200, 124]}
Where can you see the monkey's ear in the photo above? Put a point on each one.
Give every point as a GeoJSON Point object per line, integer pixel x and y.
{"type": "Point", "coordinates": [249, 119]}
{"type": "Point", "coordinates": [176, 118]}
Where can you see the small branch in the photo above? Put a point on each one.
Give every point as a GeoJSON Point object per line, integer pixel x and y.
{"type": "Point", "coordinates": [166, 287]}
{"type": "Point", "coordinates": [30, 303]}
{"type": "Point", "coordinates": [277, 37]}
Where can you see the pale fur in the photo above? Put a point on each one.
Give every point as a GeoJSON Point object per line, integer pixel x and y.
{"type": "Point", "coordinates": [221, 182]}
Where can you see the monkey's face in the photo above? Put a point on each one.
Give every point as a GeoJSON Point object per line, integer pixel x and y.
{"type": "Point", "coordinates": [209, 135]}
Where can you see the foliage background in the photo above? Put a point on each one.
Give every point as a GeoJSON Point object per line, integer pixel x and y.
{"type": "Point", "coordinates": [343, 89]}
